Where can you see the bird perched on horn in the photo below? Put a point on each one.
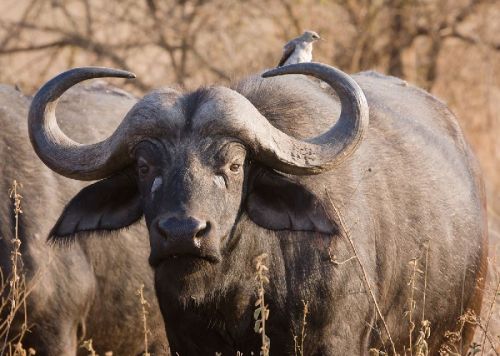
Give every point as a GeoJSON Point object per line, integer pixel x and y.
{"type": "Point", "coordinates": [299, 50]}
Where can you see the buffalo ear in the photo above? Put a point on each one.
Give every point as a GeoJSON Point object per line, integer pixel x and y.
{"type": "Point", "coordinates": [110, 204]}
{"type": "Point", "coordinates": [276, 202]}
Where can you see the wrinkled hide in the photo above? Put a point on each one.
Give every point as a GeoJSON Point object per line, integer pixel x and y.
{"type": "Point", "coordinates": [89, 289]}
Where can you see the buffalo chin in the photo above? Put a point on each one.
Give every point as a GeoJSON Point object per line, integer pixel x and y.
{"type": "Point", "coordinates": [184, 279]}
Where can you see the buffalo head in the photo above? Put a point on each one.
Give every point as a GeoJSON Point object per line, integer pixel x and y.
{"type": "Point", "coordinates": [193, 163]}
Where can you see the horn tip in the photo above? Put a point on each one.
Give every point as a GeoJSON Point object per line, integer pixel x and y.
{"type": "Point", "coordinates": [117, 73]}
{"type": "Point", "coordinates": [296, 68]}
{"type": "Point", "coordinates": [131, 75]}
{"type": "Point", "coordinates": [270, 73]}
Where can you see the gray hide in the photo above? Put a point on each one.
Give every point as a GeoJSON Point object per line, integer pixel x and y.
{"type": "Point", "coordinates": [89, 289]}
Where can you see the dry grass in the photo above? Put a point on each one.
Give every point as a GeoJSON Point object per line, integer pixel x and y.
{"type": "Point", "coordinates": [345, 232]}
{"type": "Point", "coordinates": [14, 291]}
{"type": "Point", "coordinates": [411, 304]}
{"type": "Point", "coordinates": [421, 348]}
{"type": "Point", "coordinates": [453, 339]}
{"type": "Point", "coordinates": [299, 343]}
{"type": "Point", "coordinates": [87, 344]}
{"type": "Point", "coordinates": [206, 42]}
{"type": "Point", "coordinates": [261, 313]}
{"type": "Point", "coordinates": [144, 309]}
{"type": "Point", "coordinates": [488, 319]}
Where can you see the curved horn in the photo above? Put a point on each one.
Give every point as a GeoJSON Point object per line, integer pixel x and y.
{"type": "Point", "coordinates": [58, 151]}
{"type": "Point", "coordinates": [328, 150]}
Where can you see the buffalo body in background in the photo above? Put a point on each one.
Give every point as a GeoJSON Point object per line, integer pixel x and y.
{"type": "Point", "coordinates": [88, 290]}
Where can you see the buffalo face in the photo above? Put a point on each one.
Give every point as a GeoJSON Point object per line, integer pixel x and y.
{"type": "Point", "coordinates": [192, 164]}
{"type": "Point", "coordinates": [191, 193]}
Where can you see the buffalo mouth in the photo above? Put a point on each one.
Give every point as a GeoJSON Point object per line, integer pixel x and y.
{"type": "Point", "coordinates": [155, 259]}
{"type": "Point", "coordinates": [209, 258]}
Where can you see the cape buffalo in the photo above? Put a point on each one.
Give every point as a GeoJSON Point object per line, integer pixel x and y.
{"type": "Point", "coordinates": [365, 172]}
{"type": "Point", "coordinates": [90, 289]}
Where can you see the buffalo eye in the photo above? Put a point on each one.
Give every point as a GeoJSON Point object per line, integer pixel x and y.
{"type": "Point", "coordinates": [235, 167]}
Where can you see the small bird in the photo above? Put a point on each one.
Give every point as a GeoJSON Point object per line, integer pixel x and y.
{"type": "Point", "coordinates": [299, 49]}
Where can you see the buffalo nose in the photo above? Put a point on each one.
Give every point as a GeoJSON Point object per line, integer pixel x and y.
{"type": "Point", "coordinates": [182, 228]}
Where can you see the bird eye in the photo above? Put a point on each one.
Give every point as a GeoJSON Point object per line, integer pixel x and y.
{"type": "Point", "coordinates": [143, 169]}
{"type": "Point", "coordinates": [235, 167]}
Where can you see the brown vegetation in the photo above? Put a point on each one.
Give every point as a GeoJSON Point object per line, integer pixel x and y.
{"type": "Point", "coordinates": [449, 47]}
{"type": "Point", "coordinates": [14, 291]}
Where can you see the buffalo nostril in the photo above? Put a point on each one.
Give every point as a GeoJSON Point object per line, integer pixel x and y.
{"type": "Point", "coordinates": [203, 231]}
{"type": "Point", "coordinates": [183, 228]}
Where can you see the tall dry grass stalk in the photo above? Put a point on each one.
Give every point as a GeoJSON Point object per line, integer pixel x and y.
{"type": "Point", "coordinates": [14, 291]}
{"type": "Point", "coordinates": [299, 345]}
{"type": "Point", "coordinates": [411, 303]}
{"type": "Point", "coordinates": [345, 232]}
{"type": "Point", "coordinates": [420, 346]}
{"type": "Point", "coordinates": [88, 345]}
{"type": "Point", "coordinates": [144, 307]}
{"type": "Point", "coordinates": [488, 318]}
{"type": "Point", "coordinates": [261, 313]}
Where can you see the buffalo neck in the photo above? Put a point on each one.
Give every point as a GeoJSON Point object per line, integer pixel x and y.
{"type": "Point", "coordinates": [215, 305]}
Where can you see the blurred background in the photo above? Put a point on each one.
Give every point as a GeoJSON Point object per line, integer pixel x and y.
{"type": "Point", "coordinates": [449, 47]}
